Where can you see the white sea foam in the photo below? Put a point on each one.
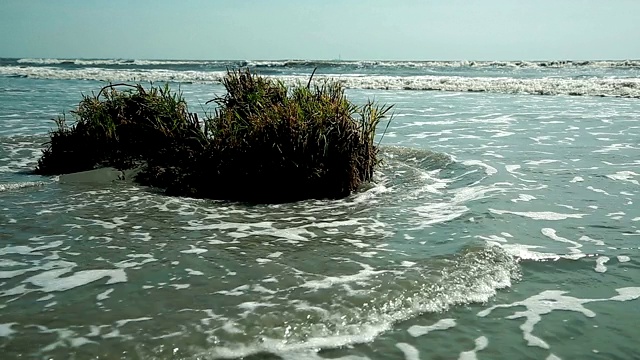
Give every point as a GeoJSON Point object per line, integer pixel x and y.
{"type": "Point", "coordinates": [625, 176]}
{"type": "Point", "coordinates": [104, 295]}
{"type": "Point", "coordinates": [180, 286]}
{"type": "Point", "coordinates": [66, 338]}
{"type": "Point", "coordinates": [512, 168]}
{"type": "Point", "coordinates": [132, 263]}
{"type": "Point", "coordinates": [20, 185]}
{"type": "Point", "coordinates": [601, 191]}
{"type": "Point", "coordinates": [366, 333]}
{"type": "Point", "coordinates": [9, 263]}
{"type": "Point", "coordinates": [194, 250]}
{"type": "Point", "coordinates": [551, 233]}
{"type": "Point", "coordinates": [613, 147]}
{"type": "Point", "coordinates": [329, 281]}
{"type": "Point", "coordinates": [526, 252]}
{"type": "Point", "coordinates": [523, 197]}
{"type": "Point", "coordinates": [443, 324]}
{"type": "Point", "coordinates": [73, 61]}
{"type": "Point", "coordinates": [50, 281]}
{"type": "Point", "coordinates": [627, 87]}
{"type": "Point", "coordinates": [194, 272]}
{"type": "Point", "coordinates": [28, 250]}
{"type": "Point", "coordinates": [539, 215]}
{"type": "Point", "coordinates": [541, 162]}
{"type": "Point", "coordinates": [443, 211]}
{"type": "Point", "coordinates": [488, 169]}
{"type": "Point", "coordinates": [492, 238]}
{"type": "Point", "coordinates": [588, 239]}
{"type": "Point", "coordinates": [13, 273]}
{"type": "Point", "coordinates": [311, 355]}
{"type": "Point", "coordinates": [481, 343]}
{"type": "Point", "coordinates": [409, 351]}
{"type": "Point", "coordinates": [568, 207]}
{"type": "Point", "coordinates": [600, 261]}
{"type": "Point", "coordinates": [123, 322]}
{"type": "Point", "coordinates": [5, 329]}
{"type": "Point", "coordinates": [550, 300]}
{"type": "Point", "coordinates": [436, 213]}
{"type": "Point", "coordinates": [116, 222]}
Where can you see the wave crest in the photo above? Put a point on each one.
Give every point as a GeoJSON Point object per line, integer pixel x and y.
{"type": "Point", "coordinates": [20, 185]}
{"type": "Point", "coordinates": [629, 64]}
{"type": "Point", "coordinates": [614, 87]}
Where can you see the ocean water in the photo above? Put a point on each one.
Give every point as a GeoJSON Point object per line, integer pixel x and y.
{"type": "Point", "coordinates": [503, 224]}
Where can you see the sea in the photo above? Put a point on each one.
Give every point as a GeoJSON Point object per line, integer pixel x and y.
{"type": "Point", "coordinates": [503, 223]}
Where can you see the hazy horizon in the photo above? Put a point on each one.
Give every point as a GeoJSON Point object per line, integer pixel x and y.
{"type": "Point", "coordinates": [429, 30]}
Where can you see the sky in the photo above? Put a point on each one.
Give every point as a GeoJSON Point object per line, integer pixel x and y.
{"type": "Point", "coordinates": [321, 29]}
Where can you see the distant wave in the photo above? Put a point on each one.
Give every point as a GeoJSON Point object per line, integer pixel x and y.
{"type": "Point", "coordinates": [73, 61]}
{"type": "Point", "coordinates": [615, 87]}
{"type": "Point", "coordinates": [340, 63]}
{"type": "Point", "coordinates": [126, 62]}
{"type": "Point", "coordinates": [450, 64]}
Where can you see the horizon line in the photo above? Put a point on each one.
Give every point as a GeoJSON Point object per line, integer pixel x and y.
{"type": "Point", "coordinates": [311, 59]}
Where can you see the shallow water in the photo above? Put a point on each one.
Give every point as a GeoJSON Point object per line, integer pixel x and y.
{"type": "Point", "coordinates": [500, 226]}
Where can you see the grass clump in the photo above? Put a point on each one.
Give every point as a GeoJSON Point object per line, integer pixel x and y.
{"type": "Point", "coordinates": [118, 128]}
{"type": "Point", "coordinates": [264, 142]}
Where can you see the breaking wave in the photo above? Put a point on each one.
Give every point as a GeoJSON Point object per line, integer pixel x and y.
{"type": "Point", "coordinates": [342, 63]}
{"type": "Point", "coordinates": [20, 185]}
{"type": "Point", "coordinates": [613, 87]}
{"type": "Point", "coordinates": [473, 276]}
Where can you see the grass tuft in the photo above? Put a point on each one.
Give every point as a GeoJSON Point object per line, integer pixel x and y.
{"type": "Point", "coordinates": [263, 143]}
{"type": "Point", "coordinates": [118, 128]}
